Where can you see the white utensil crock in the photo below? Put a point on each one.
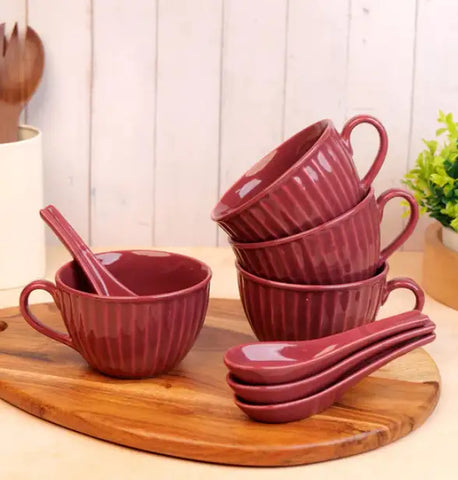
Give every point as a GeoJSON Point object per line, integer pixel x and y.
{"type": "Point", "coordinates": [22, 236]}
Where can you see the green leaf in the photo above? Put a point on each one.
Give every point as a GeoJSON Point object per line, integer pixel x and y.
{"type": "Point", "coordinates": [451, 167]}
{"type": "Point", "coordinates": [439, 179]}
{"type": "Point", "coordinates": [454, 224]}
{"type": "Point", "coordinates": [431, 144]}
{"type": "Point", "coordinates": [434, 177]}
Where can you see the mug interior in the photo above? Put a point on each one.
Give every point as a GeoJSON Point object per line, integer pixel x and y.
{"type": "Point", "coordinates": [145, 272]}
{"type": "Point", "coordinates": [267, 170]}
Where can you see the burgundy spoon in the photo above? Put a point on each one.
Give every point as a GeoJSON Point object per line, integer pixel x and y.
{"type": "Point", "coordinates": [102, 280]}
{"type": "Point", "coordinates": [305, 407]}
{"type": "Point", "coordinates": [288, 392]}
{"type": "Point", "coordinates": [281, 362]}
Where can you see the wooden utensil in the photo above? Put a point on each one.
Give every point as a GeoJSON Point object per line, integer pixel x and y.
{"type": "Point", "coordinates": [281, 362]}
{"type": "Point", "coordinates": [103, 282]}
{"type": "Point", "coordinates": [311, 405]}
{"type": "Point", "coordinates": [21, 69]}
{"type": "Point", "coordinates": [288, 392]}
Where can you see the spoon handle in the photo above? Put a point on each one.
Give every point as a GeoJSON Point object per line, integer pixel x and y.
{"type": "Point", "coordinates": [102, 280]}
{"type": "Point", "coordinates": [313, 404]}
{"type": "Point", "coordinates": [9, 122]}
{"type": "Point", "coordinates": [288, 392]}
{"type": "Point", "coordinates": [281, 362]}
{"type": "Point", "coordinates": [349, 341]}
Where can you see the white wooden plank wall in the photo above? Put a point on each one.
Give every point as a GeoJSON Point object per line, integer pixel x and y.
{"type": "Point", "coordinates": [379, 83]}
{"type": "Point", "coordinates": [253, 74]}
{"type": "Point", "coordinates": [123, 112]}
{"type": "Point", "coordinates": [187, 129]}
{"type": "Point", "coordinates": [435, 79]}
{"type": "Point", "coordinates": [317, 58]}
{"type": "Point", "coordinates": [61, 106]}
{"type": "Point", "coordinates": [13, 11]}
{"type": "Point", "coordinates": [151, 109]}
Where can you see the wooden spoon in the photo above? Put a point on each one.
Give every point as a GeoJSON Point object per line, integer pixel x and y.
{"type": "Point", "coordinates": [280, 362]}
{"type": "Point", "coordinates": [288, 392]}
{"type": "Point", "coordinates": [101, 279]}
{"type": "Point", "coordinates": [307, 406]}
{"type": "Point", "coordinates": [21, 69]}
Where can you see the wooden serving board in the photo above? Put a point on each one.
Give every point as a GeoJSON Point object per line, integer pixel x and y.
{"type": "Point", "coordinates": [189, 413]}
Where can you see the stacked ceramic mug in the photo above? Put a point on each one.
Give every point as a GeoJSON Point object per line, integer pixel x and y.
{"type": "Point", "coordinates": [305, 230]}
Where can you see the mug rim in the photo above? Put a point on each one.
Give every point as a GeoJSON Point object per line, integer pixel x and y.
{"type": "Point", "coordinates": [328, 126]}
{"type": "Point", "coordinates": [303, 287]}
{"type": "Point", "coordinates": [322, 226]}
{"type": "Point", "coordinates": [61, 285]}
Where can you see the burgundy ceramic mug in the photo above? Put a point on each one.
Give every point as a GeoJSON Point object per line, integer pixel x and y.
{"type": "Point", "coordinates": [130, 337]}
{"type": "Point", "coordinates": [285, 311]}
{"type": "Point", "coordinates": [345, 249]}
{"type": "Point", "coordinates": [306, 181]}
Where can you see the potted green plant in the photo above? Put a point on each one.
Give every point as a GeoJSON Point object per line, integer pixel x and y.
{"type": "Point", "coordinates": [434, 180]}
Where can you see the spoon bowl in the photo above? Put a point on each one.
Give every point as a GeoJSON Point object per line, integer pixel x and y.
{"type": "Point", "coordinates": [287, 392]}
{"type": "Point", "coordinates": [313, 404]}
{"type": "Point", "coordinates": [268, 363]}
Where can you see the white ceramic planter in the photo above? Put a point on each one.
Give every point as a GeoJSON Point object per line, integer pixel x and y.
{"type": "Point", "coordinates": [22, 237]}
{"type": "Point", "coordinates": [450, 238]}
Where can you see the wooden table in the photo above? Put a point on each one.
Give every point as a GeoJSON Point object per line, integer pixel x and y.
{"type": "Point", "coordinates": [31, 448]}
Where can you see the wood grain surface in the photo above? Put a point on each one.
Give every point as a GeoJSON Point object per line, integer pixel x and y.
{"type": "Point", "coordinates": [190, 414]}
{"type": "Point", "coordinates": [440, 268]}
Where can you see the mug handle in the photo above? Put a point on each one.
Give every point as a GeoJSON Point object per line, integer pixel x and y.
{"type": "Point", "coordinates": [382, 200]}
{"type": "Point", "coordinates": [382, 149]}
{"type": "Point", "coordinates": [30, 317]}
{"type": "Point", "coordinates": [409, 284]}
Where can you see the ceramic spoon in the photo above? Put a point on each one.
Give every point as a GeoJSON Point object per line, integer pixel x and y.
{"type": "Point", "coordinates": [102, 280]}
{"type": "Point", "coordinates": [288, 392]}
{"type": "Point", "coordinates": [280, 362]}
{"type": "Point", "coordinates": [21, 69]}
{"type": "Point", "coordinates": [305, 407]}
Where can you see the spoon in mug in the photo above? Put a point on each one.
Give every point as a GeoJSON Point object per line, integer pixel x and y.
{"type": "Point", "coordinates": [101, 279]}
{"type": "Point", "coordinates": [281, 362]}
{"type": "Point", "coordinates": [310, 405]}
{"type": "Point", "coordinates": [288, 392]}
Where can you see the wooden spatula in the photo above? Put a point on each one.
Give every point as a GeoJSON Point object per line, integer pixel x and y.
{"type": "Point", "coordinates": [21, 69]}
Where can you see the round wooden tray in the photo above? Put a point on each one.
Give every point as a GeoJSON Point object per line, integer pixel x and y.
{"type": "Point", "coordinates": [189, 413]}
{"type": "Point", "coordinates": [440, 268]}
